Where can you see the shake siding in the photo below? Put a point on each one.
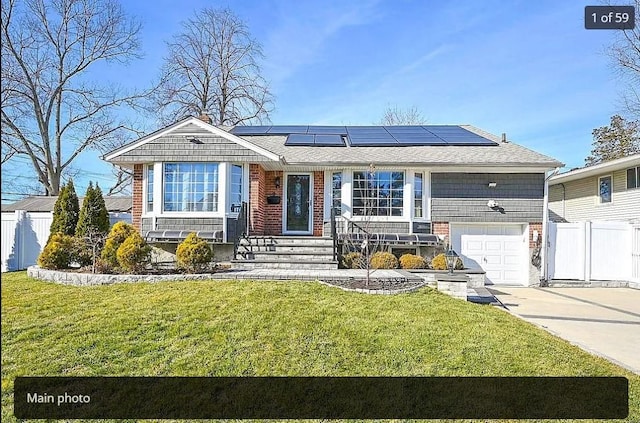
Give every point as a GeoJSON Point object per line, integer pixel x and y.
{"type": "Point", "coordinates": [582, 202]}
{"type": "Point", "coordinates": [178, 148]}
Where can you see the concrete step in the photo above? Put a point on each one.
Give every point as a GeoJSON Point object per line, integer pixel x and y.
{"type": "Point", "coordinates": [278, 264]}
{"type": "Point", "coordinates": [304, 249]}
{"type": "Point", "coordinates": [286, 240]}
{"type": "Point", "coordinates": [287, 255]}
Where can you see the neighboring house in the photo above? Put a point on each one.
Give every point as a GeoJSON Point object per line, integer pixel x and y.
{"type": "Point", "coordinates": [485, 194]}
{"type": "Point", "coordinates": [26, 223]}
{"type": "Point", "coordinates": [606, 191]}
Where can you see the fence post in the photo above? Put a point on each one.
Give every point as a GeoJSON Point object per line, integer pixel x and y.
{"type": "Point", "coordinates": [586, 228]}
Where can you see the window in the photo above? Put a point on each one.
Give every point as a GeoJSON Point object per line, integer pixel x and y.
{"type": "Point", "coordinates": [190, 187]}
{"type": "Point", "coordinates": [604, 189]}
{"type": "Point", "coordinates": [150, 188]}
{"type": "Point", "coordinates": [417, 195]}
{"type": "Point", "coordinates": [378, 193]}
{"type": "Point", "coordinates": [336, 192]}
{"type": "Point", "coordinates": [633, 178]}
{"type": "Point", "coordinates": [236, 188]}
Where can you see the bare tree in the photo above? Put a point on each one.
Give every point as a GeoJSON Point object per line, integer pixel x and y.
{"type": "Point", "coordinates": [212, 66]}
{"type": "Point", "coordinates": [51, 110]}
{"type": "Point", "coordinates": [396, 116]}
{"type": "Point", "coordinates": [625, 53]}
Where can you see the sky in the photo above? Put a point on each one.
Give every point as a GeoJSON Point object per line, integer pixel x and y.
{"type": "Point", "coordinates": [526, 68]}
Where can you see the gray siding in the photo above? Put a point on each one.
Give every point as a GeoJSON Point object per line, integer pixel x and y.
{"type": "Point", "coordinates": [177, 148]}
{"type": "Point", "coordinates": [183, 224]}
{"type": "Point", "coordinates": [463, 197]}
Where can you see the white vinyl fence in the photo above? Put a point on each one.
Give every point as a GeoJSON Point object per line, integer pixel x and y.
{"type": "Point", "coordinates": [607, 251]}
{"type": "Point", "coordinates": [24, 235]}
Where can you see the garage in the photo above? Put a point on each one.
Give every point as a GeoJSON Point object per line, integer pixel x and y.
{"type": "Point", "coordinates": [499, 249]}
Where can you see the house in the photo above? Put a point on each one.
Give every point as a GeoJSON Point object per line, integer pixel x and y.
{"type": "Point", "coordinates": [594, 228]}
{"type": "Point", "coordinates": [407, 185]}
{"type": "Point", "coordinates": [606, 191]}
{"type": "Point", "coordinates": [26, 223]}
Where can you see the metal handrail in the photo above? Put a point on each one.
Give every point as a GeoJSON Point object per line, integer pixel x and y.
{"type": "Point", "coordinates": [240, 229]}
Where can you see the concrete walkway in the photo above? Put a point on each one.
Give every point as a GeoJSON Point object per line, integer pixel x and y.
{"type": "Point", "coordinates": [602, 321]}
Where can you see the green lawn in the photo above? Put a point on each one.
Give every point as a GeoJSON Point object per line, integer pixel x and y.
{"type": "Point", "coordinates": [269, 328]}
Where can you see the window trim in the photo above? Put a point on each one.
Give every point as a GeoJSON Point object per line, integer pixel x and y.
{"type": "Point", "coordinates": [222, 192]}
{"type": "Point", "coordinates": [406, 215]}
{"type": "Point", "coordinates": [637, 172]}
{"type": "Point", "coordinates": [243, 187]}
{"type": "Point", "coordinates": [599, 196]}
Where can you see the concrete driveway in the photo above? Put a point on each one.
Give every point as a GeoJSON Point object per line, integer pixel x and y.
{"type": "Point", "coordinates": [602, 321]}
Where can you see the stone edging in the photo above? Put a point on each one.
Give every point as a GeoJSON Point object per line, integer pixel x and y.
{"type": "Point", "coordinates": [378, 291]}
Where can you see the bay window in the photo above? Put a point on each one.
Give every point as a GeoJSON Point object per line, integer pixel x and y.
{"type": "Point", "coordinates": [235, 196]}
{"type": "Point", "coordinates": [418, 209]}
{"type": "Point", "coordinates": [150, 188]}
{"type": "Point", "coordinates": [189, 187]}
{"type": "Point", "coordinates": [336, 192]}
{"type": "Point", "coordinates": [378, 193]}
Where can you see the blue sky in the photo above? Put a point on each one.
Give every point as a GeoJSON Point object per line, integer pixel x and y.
{"type": "Point", "coordinates": [527, 68]}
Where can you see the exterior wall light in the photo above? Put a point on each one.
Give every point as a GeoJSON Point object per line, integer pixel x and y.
{"type": "Point", "coordinates": [492, 184]}
{"type": "Point", "coordinates": [276, 182]}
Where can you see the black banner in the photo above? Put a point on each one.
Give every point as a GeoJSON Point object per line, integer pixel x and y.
{"type": "Point", "coordinates": [321, 398]}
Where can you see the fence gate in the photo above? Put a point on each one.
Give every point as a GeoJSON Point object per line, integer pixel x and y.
{"type": "Point", "coordinates": [593, 250]}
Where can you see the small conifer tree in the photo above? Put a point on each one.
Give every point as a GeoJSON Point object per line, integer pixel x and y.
{"type": "Point", "coordinates": [66, 211]}
{"type": "Point", "coordinates": [94, 217]}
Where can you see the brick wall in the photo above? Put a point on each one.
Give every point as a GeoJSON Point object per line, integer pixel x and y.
{"type": "Point", "coordinates": [318, 202]}
{"type": "Point", "coordinates": [257, 199]}
{"type": "Point", "coordinates": [137, 196]}
{"type": "Point", "coordinates": [440, 228]}
{"type": "Point", "coordinates": [535, 226]}
{"type": "Point", "coordinates": [273, 212]}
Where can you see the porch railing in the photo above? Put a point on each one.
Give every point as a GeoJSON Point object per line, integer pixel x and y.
{"type": "Point", "coordinates": [240, 231]}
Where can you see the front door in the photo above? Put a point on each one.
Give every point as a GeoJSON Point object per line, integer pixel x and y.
{"type": "Point", "coordinates": [297, 205]}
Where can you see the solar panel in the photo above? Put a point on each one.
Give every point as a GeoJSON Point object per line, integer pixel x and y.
{"type": "Point", "coordinates": [339, 130]}
{"type": "Point", "coordinates": [288, 129]}
{"type": "Point", "coordinates": [455, 135]}
{"type": "Point", "coordinates": [333, 140]}
{"type": "Point", "coordinates": [250, 130]}
{"type": "Point", "coordinates": [300, 140]}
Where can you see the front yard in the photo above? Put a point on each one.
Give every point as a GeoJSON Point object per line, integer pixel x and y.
{"type": "Point", "coordinates": [249, 328]}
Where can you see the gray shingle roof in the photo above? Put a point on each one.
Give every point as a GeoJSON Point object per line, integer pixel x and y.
{"type": "Point", "coordinates": [504, 154]}
{"type": "Point", "coordinates": [45, 204]}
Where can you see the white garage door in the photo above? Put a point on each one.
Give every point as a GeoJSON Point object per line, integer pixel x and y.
{"type": "Point", "coordinates": [498, 249]}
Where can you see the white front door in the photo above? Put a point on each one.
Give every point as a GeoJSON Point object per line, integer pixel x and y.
{"type": "Point", "coordinates": [500, 250]}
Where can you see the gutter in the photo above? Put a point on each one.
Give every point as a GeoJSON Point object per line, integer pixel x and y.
{"type": "Point", "coordinates": [545, 227]}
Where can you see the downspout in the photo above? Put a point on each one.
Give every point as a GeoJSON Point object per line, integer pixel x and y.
{"type": "Point", "coordinates": [545, 226]}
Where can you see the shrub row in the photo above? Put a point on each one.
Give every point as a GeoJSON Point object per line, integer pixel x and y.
{"type": "Point", "coordinates": [386, 260]}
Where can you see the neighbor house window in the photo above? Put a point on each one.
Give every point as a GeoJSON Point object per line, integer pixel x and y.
{"type": "Point", "coordinates": [633, 178]}
{"type": "Point", "coordinates": [336, 192]}
{"type": "Point", "coordinates": [189, 187]}
{"type": "Point", "coordinates": [378, 193]}
{"type": "Point", "coordinates": [236, 188]}
{"type": "Point", "coordinates": [604, 189]}
{"type": "Point", "coordinates": [150, 188]}
{"type": "Point", "coordinates": [417, 195]}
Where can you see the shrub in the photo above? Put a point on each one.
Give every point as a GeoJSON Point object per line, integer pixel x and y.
{"type": "Point", "coordinates": [134, 253]}
{"type": "Point", "coordinates": [383, 260]}
{"type": "Point", "coordinates": [94, 217]}
{"type": "Point", "coordinates": [119, 232]}
{"type": "Point", "coordinates": [352, 260]}
{"type": "Point", "coordinates": [57, 254]}
{"type": "Point", "coordinates": [81, 251]}
{"type": "Point", "coordinates": [193, 254]}
{"type": "Point", "coordinates": [65, 211]}
{"type": "Point", "coordinates": [412, 261]}
{"type": "Point", "coordinates": [439, 262]}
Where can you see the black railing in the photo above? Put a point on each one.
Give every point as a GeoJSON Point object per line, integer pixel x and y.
{"type": "Point", "coordinates": [334, 233]}
{"type": "Point", "coordinates": [241, 228]}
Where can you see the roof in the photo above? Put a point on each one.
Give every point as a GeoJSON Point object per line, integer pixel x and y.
{"type": "Point", "coordinates": [599, 169]}
{"type": "Point", "coordinates": [501, 154]}
{"type": "Point", "coordinates": [493, 155]}
{"type": "Point", "coordinates": [45, 204]}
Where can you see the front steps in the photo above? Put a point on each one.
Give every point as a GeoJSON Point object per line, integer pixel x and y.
{"type": "Point", "coordinates": [285, 252]}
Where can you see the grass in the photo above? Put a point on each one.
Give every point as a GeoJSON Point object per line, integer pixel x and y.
{"type": "Point", "coordinates": [208, 328]}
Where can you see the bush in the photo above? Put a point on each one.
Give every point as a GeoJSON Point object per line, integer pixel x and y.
{"type": "Point", "coordinates": [134, 253]}
{"type": "Point", "coordinates": [439, 262]}
{"type": "Point", "coordinates": [412, 261]}
{"type": "Point", "coordinates": [383, 260]}
{"type": "Point", "coordinates": [119, 232]}
{"type": "Point", "coordinates": [94, 217]}
{"type": "Point", "coordinates": [352, 260]}
{"type": "Point", "coordinates": [193, 254]}
{"type": "Point", "coordinates": [57, 254]}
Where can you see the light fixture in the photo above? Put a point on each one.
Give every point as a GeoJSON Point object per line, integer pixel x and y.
{"type": "Point", "coordinates": [492, 184]}
{"type": "Point", "coordinates": [276, 182]}
{"type": "Point", "coordinates": [493, 204]}
{"type": "Point", "coordinates": [451, 257]}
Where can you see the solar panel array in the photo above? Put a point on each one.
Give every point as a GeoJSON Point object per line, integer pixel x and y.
{"type": "Point", "coordinates": [367, 136]}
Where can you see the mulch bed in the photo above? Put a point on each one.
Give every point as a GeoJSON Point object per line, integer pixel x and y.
{"type": "Point", "coordinates": [389, 284]}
